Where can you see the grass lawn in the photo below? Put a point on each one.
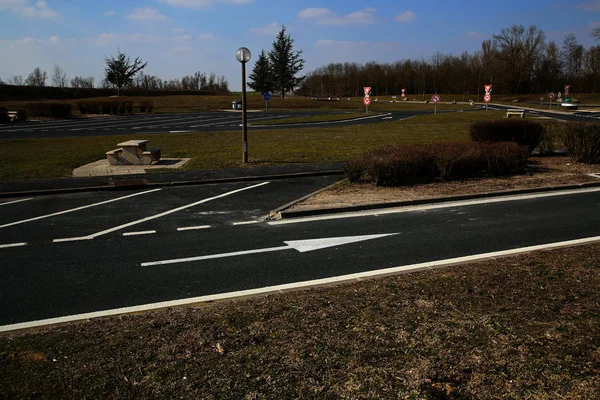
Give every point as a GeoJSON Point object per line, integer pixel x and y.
{"type": "Point", "coordinates": [28, 159]}
{"type": "Point", "coordinates": [522, 327]}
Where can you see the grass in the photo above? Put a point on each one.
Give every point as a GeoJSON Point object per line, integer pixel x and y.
{"type": "Point", "coordinates": [519, 327]}
{"type": "Point", "coordinates": [28, 159]}
{"type": "Point", "coordinates": [313, 118]}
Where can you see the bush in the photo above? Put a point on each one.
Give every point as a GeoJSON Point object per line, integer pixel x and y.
{"type": "Point", "coordinates": [146, 106]}
{"type": "Point", "coordinates": [55, 110]}
{"type": "Point", "coordinates": [524, 132]}
{"type": "Point", "coordinates": [401, 165]}
{"type": "Point", "coordinates": [582, 141]}
{"type": "Point", "coordinates": [4, 115]}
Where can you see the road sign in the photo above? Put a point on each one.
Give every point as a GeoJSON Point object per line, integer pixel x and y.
{"type": "Point", "coordinates": [403, 92]}
{"type": "Point", "coordinates": [487, 98]}
{"type": "Point", "coordinates": [267, 96]}
{"type": "Point", "coordinates": [393, 97]}
{"type": "Point", "coordinates": [567, 90]}
{"type": "Point", "coordinates": [367, 91]}
{"type": "Point", "coordinates": [435, 98]}
{"type": "Point", "coordinates": [551, 95]}
{"type": "Point", "coordinates": [559, 95]}
{"type": "Point", "coordinates": [367, 101]}
{"type": "Point", "coordinates": [488, 89]}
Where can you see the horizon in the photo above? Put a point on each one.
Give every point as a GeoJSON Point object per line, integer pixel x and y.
{"type": "Point", "coordinates": [166, 35]}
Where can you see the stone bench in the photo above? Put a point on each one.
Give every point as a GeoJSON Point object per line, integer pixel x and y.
{"type": "Point", "coordinates": [133, 152]}
{"type": "Point", "coordinates": [521, 113]}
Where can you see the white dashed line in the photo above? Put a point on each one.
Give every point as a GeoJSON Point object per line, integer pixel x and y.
{"type": "Point", "coordinates": [245, 223]}
{"type": "Point", "coordinates": [139, 233]}
{"type": "Point", "coordinates": [193, 228]}
{"type": "Point", "coordinates": [15, 201]}
{"type": "Point", "coordinates": [6, 246]}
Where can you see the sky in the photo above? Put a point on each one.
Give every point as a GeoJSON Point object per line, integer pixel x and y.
{"type": "Point", "coordinates": [180, 37]}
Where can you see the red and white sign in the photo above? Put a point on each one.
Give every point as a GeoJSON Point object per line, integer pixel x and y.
{"type": "Point", "coordinates": [488, 89]}
{"type": "Point", "coordinates": [435, 98]}
{"type": "Point", "coordinates": [551, 95]}
{"type": "Point", "coordinates": [403, 92]}
{"type": "Point", "coordinates": [367, 91]}
{"type": "Point", "coordinates": [487, 98]}
{"type": "Point", "coordinates": [367, 101]}
{"type": "Point", "coordinates": [567, 89]}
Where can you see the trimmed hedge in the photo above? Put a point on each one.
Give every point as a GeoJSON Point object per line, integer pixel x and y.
{"type": "Point", "coordinates": [146, 106]}
{"type": "Point", "coordinates": [403, 165]}
{"type": "Point", "coordinates": [582, 141]}
{"type": "Point", "coordinates": [56, 110]}
{"type": "Point", "coordinates": [108, 106]}
{"type": "Point", "coordinates": [521, 131]}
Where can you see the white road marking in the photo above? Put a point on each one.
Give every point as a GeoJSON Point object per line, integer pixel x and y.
{"type": "Point", "coordinates": [302, 246]}
{"type": "Point", "coordinates": [77, 209]}
{"type": "Point", "coordinates": [387, 118]}
{"type": "Point", "coordinates": [73, 239]}
{"type": "Point", "coordinates": [245, 223]}
{"type": "Point", "coordinates": [6, 246]}
{"type": "Point", "coordinates": [397, 210]}
{"type": "Point", "coordinates": [127, 225]}
{"type": "Point", "coordinates": [139, 233]}
{"type": "Point", "coordinates": [193, 228]}
{"type": "Point", "coordinates": [179, 131]}
{"type": "Point", "coordinates": [15, 201]}
{"type": "Point", "coordinates": [295, 286]}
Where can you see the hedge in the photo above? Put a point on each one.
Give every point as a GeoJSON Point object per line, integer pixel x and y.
{"type": "Point", "coordinates": [50, 109]}
{"type": "Point", "coordinates": [582, 141]}
{"type": "Point", "coordinates": [108, 106]}
{"type": "Point", "coordinates": [403, 165]}
{"type": "Point", "coordinates": [521, 131]}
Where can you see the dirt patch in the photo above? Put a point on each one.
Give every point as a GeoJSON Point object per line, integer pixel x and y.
{"type": "Point", "coordinates": [541, 172]}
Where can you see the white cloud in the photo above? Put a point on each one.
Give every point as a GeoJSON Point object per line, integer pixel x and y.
{"type": "Point", "coordinates": [341, 43]}
{"type": "Point", "coordinates": [30, 40]}
{"type": "Point", "coordinates": [201, 3]}
{"type": "Point", "coordinates": [207, 36]}
{"type": "Point", "coordinates": [39, 9]}
{"type": "Point", "coordinates": [147, 14]}
{"type": "Point", "coordinates": [109, 13]}
{"type": "Point", "coordinates": [406, 16]}
{"type": "Point", "coordinates": [589, 6]}
{"type": "Point", "coordinates": [474, 34]}
{"type": "Point", "coordinates": [270, 29]}
{"type": "Point", "coordinates": [325, 16]}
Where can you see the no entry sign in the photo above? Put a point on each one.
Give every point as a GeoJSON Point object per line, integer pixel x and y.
{"type": "Point", "coordinates": [367, 101]}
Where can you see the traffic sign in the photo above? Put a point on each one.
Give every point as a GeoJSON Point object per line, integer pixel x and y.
{"type": "Point", "coordinates": [551, 95]}
{"type": "Point", "coordinates": [367, 101]}
{"type": "Point", "coordinates": [403, 92]}
{"type": "Point", "coordinates": [567, 90]}
{"type": "Point", "coordinates": [488, 89]}
{"type": "Point", "coordinates": [267, 96]}
{"type": "Point", "coordinates": [559, 95]}
{"type": "Point", "coordinates": [487, 98]}
{"type": "Point", "coordinates": [367, 91]}
{"type": "Point", "coordinates": [435, 98]}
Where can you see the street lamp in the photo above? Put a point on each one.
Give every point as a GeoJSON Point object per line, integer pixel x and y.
{"type": "Point", "coordinates": [243, 55]}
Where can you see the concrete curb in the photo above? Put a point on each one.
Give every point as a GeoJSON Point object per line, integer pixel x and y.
{"type": "Point", "coordinates": [281, 213]}
{"type": "Point", "coordinates": [134, 184]}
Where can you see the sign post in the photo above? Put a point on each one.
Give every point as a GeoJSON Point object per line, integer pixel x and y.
{"type": "Point", "coordinates": [367, 99]}
{"type": "Point", "coordinates": [267, 97]}
{"type": "Point", "coordinates": [243, 55]}
{"type": "Point", "coordinates": [435, 99]}
{"type": "Point", "coordinates": [551, 96]}
{"type": "Point", "coordinates": [488, 95]}
{"type": "Point", "coordinates": [403, 93]}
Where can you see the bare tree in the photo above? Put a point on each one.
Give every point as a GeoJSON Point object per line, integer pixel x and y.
{"type": "Point", "coordinates": [80, 82]}
{"type": "Point", "coordinates": [59, 77]}
{"type": "Point", "coordinates": [16, 80]}
{"type": "Point", "coordinates": [37, 78]}
{"type": "Point", "coordinates": [572, 54]}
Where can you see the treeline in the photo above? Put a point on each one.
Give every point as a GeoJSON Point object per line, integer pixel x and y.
{"type": "Point", "coordinates": [518, 60]}
{"type": "Point", "coordinates": [197, 81]}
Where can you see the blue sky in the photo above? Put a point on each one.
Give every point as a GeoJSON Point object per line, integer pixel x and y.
{"type": "Point", "coordinates": [179, 37]}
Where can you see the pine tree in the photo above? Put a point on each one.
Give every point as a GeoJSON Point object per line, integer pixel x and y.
{"type": "Point", "coordinates": [120, 71]}
{"type": "Point", "coordinates": [261, 78]}
{"type": "Point", "coordinates": [285, 63]}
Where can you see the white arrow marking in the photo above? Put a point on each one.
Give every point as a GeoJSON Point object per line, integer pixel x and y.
{"type": "Point", "coordinates": [302, 246]}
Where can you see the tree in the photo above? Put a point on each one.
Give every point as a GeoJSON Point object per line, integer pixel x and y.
{"type": "Point", "coordinates": [37, 78]}
{"type": "Point", "coordinates": [59, 77]}
{"type": "Point", "coordinates": [261, 78]}
{"type": "Point", "coordinates": [595, 33]}
{"type": "Point", "coordinates": [572, 54]}
{"type": "Point", "coordinates": [16, 80]}
{"type": "Point", "coordinates": [120, 71]}
{"type": "Point", "coordinates": [285, 63]}
{"type": "Point", "coordinates": [80, 82]}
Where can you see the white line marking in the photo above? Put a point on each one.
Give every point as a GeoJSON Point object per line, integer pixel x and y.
{"type": "Point", "coordinates": [127, 225]}
{"type": "Point", "coordinates": [6, 246]}
{"type": "Point", "coordinates": [78, 208]}
{"type": "Point", "coordinates": [15, 201]}
{"type": "Point", "coordinates": [139, 233]}
{"type": "Point", "coordinates": [296, 285]}
{"type": "Point", "coordinates": [396, 210]}
{"type": "Point", "coordinates": [179, 131]}
{"type": "Point", "coordinates": [193, 228]}
{"type": "Point", "coordinates": [73, 239]}
{"type": "Point", "coordinates": [245, 223]}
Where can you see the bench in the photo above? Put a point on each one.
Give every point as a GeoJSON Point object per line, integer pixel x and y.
{"type": "Point", "coordinates": [133, 152]}
{"type": "Point", "coordinates": [515, 112]}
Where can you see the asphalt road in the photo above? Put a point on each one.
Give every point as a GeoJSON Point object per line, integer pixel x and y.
{"type": "Point", "coordinates": [111, 251]}
{"type": "Point", "coordinates": [176, 123]}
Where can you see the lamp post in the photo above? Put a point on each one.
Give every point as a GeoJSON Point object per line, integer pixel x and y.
{"type": "Point", "coordinates": [243, 55]}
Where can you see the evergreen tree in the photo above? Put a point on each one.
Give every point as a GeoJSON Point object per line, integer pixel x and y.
{"type": "Point", "coordinates": [261, 78]}
{"type": "Point", "coordinates": [285, 63]}
{"type": "Point", "coordinates": [120, 71]}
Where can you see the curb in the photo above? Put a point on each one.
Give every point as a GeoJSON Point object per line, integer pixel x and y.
{"type": "Point", "coordinates": [281, 213]}
{"type": "Point", "coordinates": [134, 184]}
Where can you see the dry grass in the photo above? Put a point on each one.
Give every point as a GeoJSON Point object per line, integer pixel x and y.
{"type": "Point", "coordinates": [521, 327]}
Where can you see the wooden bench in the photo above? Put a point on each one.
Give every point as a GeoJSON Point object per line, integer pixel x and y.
{"type": "Point", "coordinates": [521, 113]}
